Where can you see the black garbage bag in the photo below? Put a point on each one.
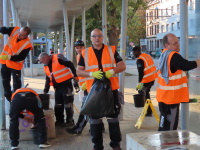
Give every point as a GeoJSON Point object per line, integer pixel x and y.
{"type": "Point", "coordinates": [100, 101]}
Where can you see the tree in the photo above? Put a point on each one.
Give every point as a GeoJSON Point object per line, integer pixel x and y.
{"type": "Point", "coordinates": [94, 20]}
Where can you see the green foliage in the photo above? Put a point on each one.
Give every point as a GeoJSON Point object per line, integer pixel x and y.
{"type": "Point", "coordinates": [135, 21]}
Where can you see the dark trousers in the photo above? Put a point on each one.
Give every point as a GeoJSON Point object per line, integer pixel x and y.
{"type": "Point", "coordinates": [64, 99]}
{"type": "Point", "coordinates": [82, 119]}
{"type": "Point", "coordinates": [20, 102]}
{"type": "Point", "coordinates": [6, 78]}
{"type": "Point", "coordinates": [146, 88]}
{"type": "Point", "coordinates": [96, 126]}
{"type": "Point", "coordinates": [169, 115]}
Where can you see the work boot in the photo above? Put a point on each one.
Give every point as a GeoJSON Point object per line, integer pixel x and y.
{"type": "Point", "coordinates": [115, 135]}
{"type": "Point", "coordinates": [96, 136]}
{"type": "Point", "coordinates": [70, 123]}
{"type": "Point", "coordinates": [59, 123]}
{"type": "Point", "coordinates": [73, 130]}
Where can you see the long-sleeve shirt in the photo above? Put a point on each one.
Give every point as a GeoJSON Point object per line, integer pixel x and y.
{"type": "Point", "coordinates": [22, 55]}
{"type": "Point", "coordinates": [63, 61]}
{"type": "Point", "coordinates": [177, 62]}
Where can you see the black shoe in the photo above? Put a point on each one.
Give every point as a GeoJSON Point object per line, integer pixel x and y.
{"type": "Point", "coordinates": [14, 147]}
{"type": "Point", "coordinates": [45, 145]}
{"type": "Point", "coordinates": [70, 123]}
{"type": "Point", "coordinates": [73, 131]}
{"type": "Point", "coordinates": [59, 123]}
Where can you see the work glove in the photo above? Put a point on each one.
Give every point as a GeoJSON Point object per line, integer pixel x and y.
{"type": "Point", "coordinates": [83, 87]}
{"type": "Point", "coordinates": [97, 74]}
{"type": "Point", "coordinates": [76, 86]}
{"type": "Point", "coordinates": [139, 86]}
{"type": "Point", "coordinates": [109, 73]}
{"type": "Point", "coordinates": [4, 57]}
{"type": "Point", "coordinates": [1, 36]}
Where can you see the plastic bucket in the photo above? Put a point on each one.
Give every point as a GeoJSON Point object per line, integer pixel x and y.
{"type": "Point", "coordinates": [45, 98]}
{"type": "Point", "coordinates": [139, 100]}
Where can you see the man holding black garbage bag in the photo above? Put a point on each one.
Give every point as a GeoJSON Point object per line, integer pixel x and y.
{"type": "Point", "coordinates": [95, 61]}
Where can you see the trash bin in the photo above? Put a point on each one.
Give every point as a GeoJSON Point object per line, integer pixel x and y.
{"type": "Point", "coordinates": [45, 98]}
{"type": "Point", "coordinates": [139, 100]}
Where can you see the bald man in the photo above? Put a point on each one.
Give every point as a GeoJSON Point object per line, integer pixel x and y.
{"type": "Point", "coordinates": [172, 82]}
{"type": "Point", "coordinates": [93, 62]}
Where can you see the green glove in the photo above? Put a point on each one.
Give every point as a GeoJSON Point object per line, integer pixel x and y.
{"type": "Point", "coordinates": [97, 74]}
{"type": "Point", "coordinates": [139, 86]}
{"type": "Point", "coordinates": [83, 87]}
{"type": "Point", "coordinates": [4, 57]}
{"type": "Point", "coordinates": [109, 73]}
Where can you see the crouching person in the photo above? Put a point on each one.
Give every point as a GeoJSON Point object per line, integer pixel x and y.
{"type": "Point", "coordinates": [27, 99]}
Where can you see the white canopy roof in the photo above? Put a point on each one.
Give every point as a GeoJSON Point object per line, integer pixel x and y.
{"type": "Point", "coordinates": [48, 14]}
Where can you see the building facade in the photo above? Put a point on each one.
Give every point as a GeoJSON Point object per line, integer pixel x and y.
{"type": "Point", "coordinates": [162, 17]}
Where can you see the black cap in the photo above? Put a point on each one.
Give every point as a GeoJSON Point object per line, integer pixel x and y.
{"type": "Point", "coordinates": [79, 43]}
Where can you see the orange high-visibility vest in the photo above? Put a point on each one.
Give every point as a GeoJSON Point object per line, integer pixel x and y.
{"type": "Point", "coordinates": [81, 80]}
{"type": "Point", "coordinates": [150, 73]}
{"type": "Point", "coordinates": [13, 47]}
{"type": "Point", "coordinates": [176, 91]}
{"type": "Point", "coordinates": [59, 72]}
{"type": "Point", "coordinates": [21, 90]}
{"type": "Point", "coordinates": [108, 63]}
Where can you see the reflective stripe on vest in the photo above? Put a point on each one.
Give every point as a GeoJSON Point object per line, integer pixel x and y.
{"type": "Point", "coordinates": [108, 62]}
{"type": "Point", "coordinates": [150, 72]}
{"type": "Point", "coordinates": [60, 72]}
{"type": "Point", "coordinates": [176, 91]}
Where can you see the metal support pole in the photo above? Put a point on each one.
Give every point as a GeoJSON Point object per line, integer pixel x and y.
{"type": "Point", "coordinates": [184, 53]}
{"type": "Point", "coordinates": [72, 38]}
{"type": "Point", "coordinates": [46, 42]}
{"type": "Point", "coordinates": [5, 23]}
{"type": "Point", "coordinates": [104, 21]}
{"type": "Point", "coordinates": [55, 42]}
{"type": "Point", "coordinates": [30, 53]}
{"type": "Point", "coordinates": [66, 25]}
{"type": "Point", "coordinates": [123, 44]}
{"type": "Point", "coordinates": [61, 40]}
{"type": "Point", "coordinates": [13, 12]}
{"type": "Point", "coordinates": [83, 26]}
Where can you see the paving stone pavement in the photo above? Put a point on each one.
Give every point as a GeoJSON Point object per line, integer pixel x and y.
{"type": "Point", "coordinates": [65, 141]}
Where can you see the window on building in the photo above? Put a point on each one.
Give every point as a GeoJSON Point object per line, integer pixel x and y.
{"type": "Point", "coordinates": [178, 8]}
{"type": "Point", "coordinates": [147, 16]}
{"type": "Point", "coordinates": [167, 28]}
{"type": "Point", "coordinates": [157, 28]}
{"type": "Point", "coordinates": [162, 28]}
{"type": "Point", "coordinates": [178, 25]}
{"type": "Point", "coordinates": [172, 10]}
{"type": "Point", "coordinates": [191, 5]}
{"type": "Point", "coordinates": [172, 26]}
{"type": "Point", "coordinates": [157, 13]}
{"type": "Point", "coordinates": [147, 31]}
{"type": "Point", "coordinates": [166, 12]}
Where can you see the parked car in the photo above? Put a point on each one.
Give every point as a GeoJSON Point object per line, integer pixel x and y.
{"type": "Point", "coordinates": [35, 60]}
{"type": "Point", "coordinates": [131, 55]}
